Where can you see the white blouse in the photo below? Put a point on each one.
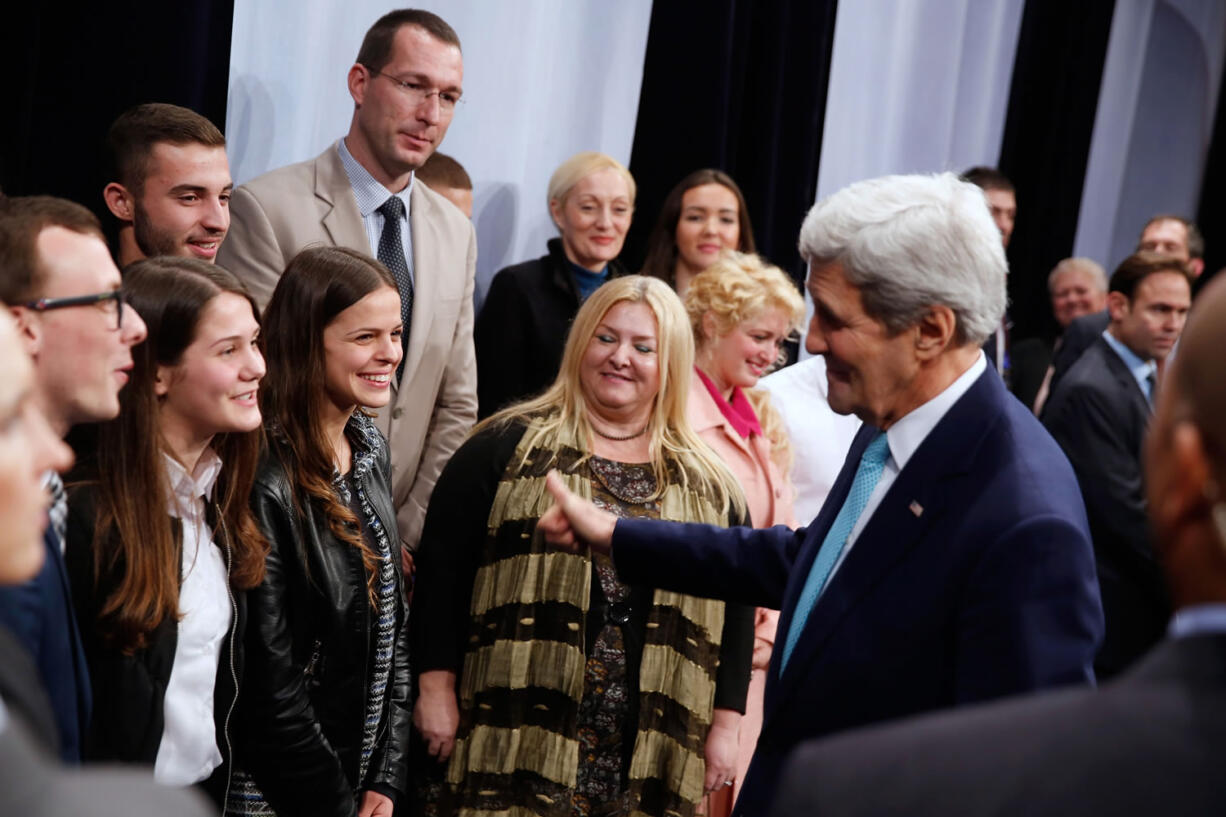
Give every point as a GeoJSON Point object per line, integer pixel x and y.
{"type": "Point", "coordinates": [188, 752]}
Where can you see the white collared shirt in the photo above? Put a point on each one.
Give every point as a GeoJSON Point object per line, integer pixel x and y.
{"type": "Point", "coordinates": [904, 439]}
{"type": "Point", "coordinates": [188, 752]}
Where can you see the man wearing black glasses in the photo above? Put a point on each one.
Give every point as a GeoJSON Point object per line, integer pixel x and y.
{"type": "Point", "coordinates": [60, 284]}
{"type": "Point", "coordinates": [360, 193]}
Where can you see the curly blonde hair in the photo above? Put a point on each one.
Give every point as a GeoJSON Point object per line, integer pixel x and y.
{"type": "Point", "coordinates": [737, 288]}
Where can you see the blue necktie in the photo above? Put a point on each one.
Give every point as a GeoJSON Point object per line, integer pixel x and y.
{"type": "Point", "coordinates": [867, 475]}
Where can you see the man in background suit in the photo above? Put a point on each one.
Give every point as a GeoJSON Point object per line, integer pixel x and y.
{"type": "Point", "coordinates": [1165, 234]}
{"type": "Point", "coordinates": [1098, 414]}
{"type": "Point", "coordinates": [61, 285]}
{"type": "Point", "coordinates": [1150, 742]}
{"type": "Point", "coordinates": [360, 193]}
{"type": "Point", "coordinates": [951, 562]}
{"type": "Point", "coordinates": [1078, 287]}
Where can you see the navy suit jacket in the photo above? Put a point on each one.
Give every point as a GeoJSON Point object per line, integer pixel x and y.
{"type": "Point", "coordinates": [972, 580]}
{"type": "Point", "coordinates": [40, 615]}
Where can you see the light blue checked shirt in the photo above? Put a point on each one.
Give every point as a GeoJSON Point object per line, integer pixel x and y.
{"type": "Point", "coordinates": [370, 196]}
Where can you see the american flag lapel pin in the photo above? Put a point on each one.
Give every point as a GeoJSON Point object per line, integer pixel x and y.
{"type": "Point", "coordinates": [916, 508]}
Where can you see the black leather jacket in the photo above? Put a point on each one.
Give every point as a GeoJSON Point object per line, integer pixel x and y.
{"type": "Point", "coordinates": [308, 653]}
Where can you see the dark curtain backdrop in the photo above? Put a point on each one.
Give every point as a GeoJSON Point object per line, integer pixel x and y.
{"type": "Point", "coordinates": [72, 68]}
{"type": "Point", "coordinates": [739, 86]}
{"type": "Point", "coordinates": [1061, 50]}
{"type": "Point", "coordinates": [1211, 215]}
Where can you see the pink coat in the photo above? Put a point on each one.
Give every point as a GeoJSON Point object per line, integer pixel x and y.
{"type": "Point", "coordinates": [768, 493]}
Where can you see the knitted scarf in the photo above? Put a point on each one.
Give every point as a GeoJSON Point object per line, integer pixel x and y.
{"type": "Point", "coordinates": [523, 674]}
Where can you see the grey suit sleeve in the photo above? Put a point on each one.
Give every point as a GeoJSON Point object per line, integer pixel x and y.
{"type": "Point", "coordinates": [250, 250]}
{"type": "Point", "coordinates": [454, 412]}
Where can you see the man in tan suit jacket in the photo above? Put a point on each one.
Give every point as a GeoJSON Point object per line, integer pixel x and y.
{"type": "Point", "coordinates": [405, 86]}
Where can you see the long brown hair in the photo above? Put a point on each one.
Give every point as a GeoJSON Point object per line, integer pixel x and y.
{"type": "Point", "coordinates": [318, 284]}
{"type": "Point", "coordinates": [662, 245]}
{"type": "Point", "coordinates": [136, 545]}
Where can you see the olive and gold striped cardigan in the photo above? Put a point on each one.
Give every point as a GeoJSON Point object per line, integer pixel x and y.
{"type": "Point", "coordinates": [523, 674]}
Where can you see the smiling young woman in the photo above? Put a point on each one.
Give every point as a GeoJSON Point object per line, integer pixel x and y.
{"type": "Point", "coordinates": [161, 543]}
{"type": "Point", "coordinates": [704, 215]}
{"type": "Point", "coordinates": [326, 705]}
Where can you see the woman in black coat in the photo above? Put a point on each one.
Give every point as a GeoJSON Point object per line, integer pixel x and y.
{"type": "Point", "coordinates": [523, 323]}
{"type": "Point", "coordinates": [325, 709]}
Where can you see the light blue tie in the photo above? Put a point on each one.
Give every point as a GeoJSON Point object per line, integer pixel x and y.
{"type": "Point", "coordinates": [867, 475]}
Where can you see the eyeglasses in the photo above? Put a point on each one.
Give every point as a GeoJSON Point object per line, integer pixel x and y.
{"type": "Point", "coordinates": [418, 93]}
{"type": "Point", "coordinates": [112, 300]}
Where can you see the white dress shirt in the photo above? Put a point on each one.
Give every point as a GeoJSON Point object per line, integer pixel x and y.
{"type": "Point", "coordinates": [904, 439]}
{"type": "Point", "coordinates": [188, 752]}
{"type": "Point", "coordinates": [820, 438]}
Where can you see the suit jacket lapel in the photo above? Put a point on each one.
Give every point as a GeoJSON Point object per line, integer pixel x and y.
{"type": "Point", "coordinates": [342, 221]}
{"type": "Point", "coordinates": [1119, 370]}
{"type": "Point", "coordinates": [894, 528]}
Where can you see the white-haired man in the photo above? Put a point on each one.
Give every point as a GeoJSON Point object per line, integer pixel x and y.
{"type": "Point", "coordinates": [951, 562]}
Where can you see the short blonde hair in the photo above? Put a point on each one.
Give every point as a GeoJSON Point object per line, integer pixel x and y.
{"type": "Point", "coordinates": [580, 166]}
{"type": "Point", "coordinates": [739, 287]}
{"type": "Point", "coordinates": [563, 408]}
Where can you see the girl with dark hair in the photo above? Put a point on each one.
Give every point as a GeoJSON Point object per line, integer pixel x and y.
{"type": "Point", "coordinates": [161, 543]}
{"type": "Point", "coordinates": [325, 709]}
{"type": "Point", "coordinates": [701, 217]}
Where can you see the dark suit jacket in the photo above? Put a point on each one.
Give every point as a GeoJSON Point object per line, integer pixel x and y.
{"type": "Point", "coordinates": [40, 615]}
{"type": "Point", "coordinates": [1150, 743]}
{"type": "Point", "coordinates": [1098, 414]}
{"type": "Point", "coordinates": [1078, 336]}
{"type": "Point", "coordinates": [973, 579]}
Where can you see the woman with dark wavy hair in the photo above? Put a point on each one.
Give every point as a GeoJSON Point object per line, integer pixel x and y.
{"type": "Point", "coordinates": [161, 544]}
{"type": "Point", "coordinates": [326, 706]}
{"type": "Point", "coordinates": [701, 217]}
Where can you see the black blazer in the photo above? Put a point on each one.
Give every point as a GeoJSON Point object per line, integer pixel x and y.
{"type": "Point", "coordinates": [1099, 415]}
{"type": "Point", "coordinates": [303, 703]}
{"type": "Point", "coordinates": [521, 331]}
{"type": "Point", "coordinates": [1150, 743]}
{"type": "Point", "coordinates": [972, 580]}
{"type": "Point", "coordinates": [1078, 336]}
{"type": "Point", "coordinates": [130, 689]}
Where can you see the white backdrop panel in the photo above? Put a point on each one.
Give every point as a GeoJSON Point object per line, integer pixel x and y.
{"type": "Point", "coordinates": [1154, 121]}
{"type": "Point", "coordinates": [543, 79]}
{"type": "Point", "coordinates": [917, 86]}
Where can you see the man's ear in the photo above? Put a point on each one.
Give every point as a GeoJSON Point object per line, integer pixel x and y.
{"type": "Point", "coordinates": [1196, 266]}
{"type": "Point", "coordinates": [119, 201]}
{"type": "Point", "coordinates": [935, 331]}
{"type": "Point", "coordinates": [1117, 305]}
{"type": "Point", "coordinates": [358, 76]}
{"type": "Point", "coordinates": [29, 329]}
